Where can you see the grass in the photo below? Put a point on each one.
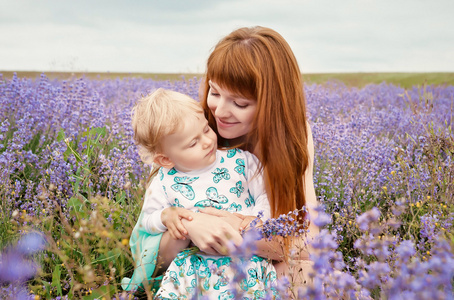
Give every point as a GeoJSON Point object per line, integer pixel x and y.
{"type": "Point", "coordinates": [405, 80]}
{"type": "Point", "coordinates": [99, 75]}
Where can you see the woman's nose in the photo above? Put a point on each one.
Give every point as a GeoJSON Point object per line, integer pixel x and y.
{"type": "Point", "coordinates": [221, 110]}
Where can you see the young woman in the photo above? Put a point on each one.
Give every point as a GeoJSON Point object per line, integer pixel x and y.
{"type": "Point", "coordinates": [253, 98]}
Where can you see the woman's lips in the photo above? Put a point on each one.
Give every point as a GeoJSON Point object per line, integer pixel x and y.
{"type": "Point", "coordinates": [225, 124]}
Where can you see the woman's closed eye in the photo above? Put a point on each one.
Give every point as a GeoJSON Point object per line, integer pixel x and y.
{"type": "Point", "coordinates": [213, 92]}
{"type": "Point", "coordinates": [240, 105]}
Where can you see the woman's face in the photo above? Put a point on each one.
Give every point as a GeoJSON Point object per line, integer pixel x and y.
{"type": "Point", "coordinates": [234, 114]}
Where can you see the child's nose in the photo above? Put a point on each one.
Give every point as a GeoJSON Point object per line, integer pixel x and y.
{"type": "Point", "coordinates": [207, 141]}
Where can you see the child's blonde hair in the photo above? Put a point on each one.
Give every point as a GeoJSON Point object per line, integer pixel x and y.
{"type": "Point", "coordinates": [157, 115]}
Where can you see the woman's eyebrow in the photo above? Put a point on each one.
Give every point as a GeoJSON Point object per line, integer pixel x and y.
{"type": "Point", "coordinates": [211, 84]}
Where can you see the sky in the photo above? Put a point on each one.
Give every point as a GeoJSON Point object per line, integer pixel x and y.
{"type": "Point", "coordinates": [176, 36]}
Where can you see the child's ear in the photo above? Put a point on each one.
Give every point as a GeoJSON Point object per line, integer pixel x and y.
{"type": "Point", "coordinates": [163, 161]}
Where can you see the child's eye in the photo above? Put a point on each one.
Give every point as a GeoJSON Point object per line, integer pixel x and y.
{"type": "Point", "coordinates": [206, 129]}
{"type": "Point", "coordinates": [192, 144]}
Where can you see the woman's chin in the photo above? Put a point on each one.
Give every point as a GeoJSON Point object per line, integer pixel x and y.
{"type": "Point", "coordinates": [227, 134]}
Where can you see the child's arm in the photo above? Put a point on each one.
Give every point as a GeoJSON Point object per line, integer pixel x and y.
{"type": "Point", "coordinates": [154, 203]}
{"type": "Point", "coordinates": [159, 215]}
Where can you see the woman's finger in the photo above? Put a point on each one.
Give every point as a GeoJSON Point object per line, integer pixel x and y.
{"type": "Point", "coordinates": [244, 224]}
{"type": "Point", "coordinates": [210, 251]}
{"type": "Point", "coordinates": [242, 217]}
{"type": "Point", "coordinates": [226, 238]}
{"type": "Point", "coordinates": [214, 212]}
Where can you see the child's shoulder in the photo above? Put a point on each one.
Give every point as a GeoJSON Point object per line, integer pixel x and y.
{"type": "Point", "coordinates": [164, 171]}
{"type": "Point", "coordinates": [235, 154]}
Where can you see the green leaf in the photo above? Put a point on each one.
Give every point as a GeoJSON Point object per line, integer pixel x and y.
{"type": "Point", "coordinates": [101, 292]}
{"type": "Point", "coordinates": [61, 135]}
{"type": "Point", "coordinates": [47, 288]}
{"type": "Point", "coordinates": [56, 279]}
{"type": "Point", "coordinates": [98, 130]}
{"type": "Point", "coordinates": [120, 197]}
{"type": "Point", "coordinates": [75, 203]}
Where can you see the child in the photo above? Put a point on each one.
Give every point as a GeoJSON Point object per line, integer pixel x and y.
{"type": "Point", "coordinates": [171, 131]}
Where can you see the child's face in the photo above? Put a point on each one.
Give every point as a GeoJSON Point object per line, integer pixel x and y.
{"type": "Point", "coordinates": [193, 146]}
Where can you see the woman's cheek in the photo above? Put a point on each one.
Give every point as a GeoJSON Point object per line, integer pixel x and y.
{"type": "Point", "coordinates": [210, 104]}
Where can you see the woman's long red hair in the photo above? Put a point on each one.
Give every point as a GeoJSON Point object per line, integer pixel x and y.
{"type": "Point", "coordinates": [258, 63]}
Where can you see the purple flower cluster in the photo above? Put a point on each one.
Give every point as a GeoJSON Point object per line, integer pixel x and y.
{"type": "Point", "coordinates": [33, 112]}
{"type": "Point", "coordinates": [383, 175]}
{"type": "Point", "coordinates": [286, 225]}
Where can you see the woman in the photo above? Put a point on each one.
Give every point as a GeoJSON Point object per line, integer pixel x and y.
{"type": "Point", "coordinates": [253, 97]}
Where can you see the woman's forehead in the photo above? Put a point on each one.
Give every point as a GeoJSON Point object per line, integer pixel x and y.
{"type": "Point", "coordinates": [234, 92]}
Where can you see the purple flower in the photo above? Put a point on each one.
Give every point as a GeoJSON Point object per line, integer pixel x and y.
{"type": "Point", "coordinates": [14, 268]}
{"type": "Point", "coordinates": [322, 219]}
{"type": "Point", "coordinates": [405, 250]}
{"type": "Point", "coordinates": [31, 243]}
{"type": "Point", "coordinates": [368, 217]}
{"type": "Point", "coordinates": [324, 240]}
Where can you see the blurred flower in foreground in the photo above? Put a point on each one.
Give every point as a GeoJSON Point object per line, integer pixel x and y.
{"type": "Point", "coordinates": [16, 267]}
{"type": "Point", "coordinates": [31, 243]}
{"type": "Point", "coordinates": [368, 217]}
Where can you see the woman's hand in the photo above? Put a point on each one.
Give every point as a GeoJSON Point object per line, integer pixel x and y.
{"type": "Point", "coordinates": [212, 234]}
{"type": "Point", "coordinates": [246, 220]}
{"type": "Point", "coordinates": [233, 219]}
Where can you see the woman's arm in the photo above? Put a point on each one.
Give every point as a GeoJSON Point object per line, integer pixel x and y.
{"type": "Point", "coordinates": [274, 248]}
{"type": "Point", "coordinates": [213, 235]}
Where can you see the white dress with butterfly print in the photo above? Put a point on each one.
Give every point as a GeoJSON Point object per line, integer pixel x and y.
{"type": "Point", "coordinates": [231, 184]}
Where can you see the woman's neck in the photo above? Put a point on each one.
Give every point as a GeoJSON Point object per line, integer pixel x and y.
{"type": "Point", "coordinates": [243, 143]}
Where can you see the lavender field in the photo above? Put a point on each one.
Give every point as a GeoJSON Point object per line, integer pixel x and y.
{"type": "Point", "coordinates": [71, 186]}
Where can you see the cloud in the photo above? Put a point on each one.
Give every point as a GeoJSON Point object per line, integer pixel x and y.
{"type": "Point", "coordinates": [177, 36]}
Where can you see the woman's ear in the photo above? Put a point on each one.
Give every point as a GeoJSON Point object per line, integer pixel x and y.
{"type": "Point", "coordinates": [163, 161]}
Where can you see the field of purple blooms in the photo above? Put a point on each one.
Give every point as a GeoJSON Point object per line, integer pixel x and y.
{"type": "Point", "coordinates": [71, 186]}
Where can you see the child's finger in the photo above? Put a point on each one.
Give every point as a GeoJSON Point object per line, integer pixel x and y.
{"type": "Point", "coordinates": [173, 231]}
{"type": "Point", "coordinates": [172, 234]}
{"type": "Point", "coordinates": [181, 228]}
{"type": "Point", "coordinates": [185, 214]}
{"type": "Point", "coordinates": [177, 234]}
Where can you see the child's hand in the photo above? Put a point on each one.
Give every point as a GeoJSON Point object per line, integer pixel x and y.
{"type": "Point", "coordinates": [171, 218]}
